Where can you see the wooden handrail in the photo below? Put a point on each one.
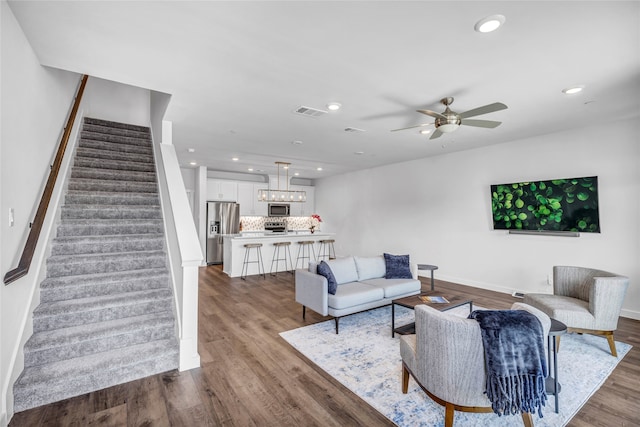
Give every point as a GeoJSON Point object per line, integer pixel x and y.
{"type": "Point", "coordinates": [29, 248]}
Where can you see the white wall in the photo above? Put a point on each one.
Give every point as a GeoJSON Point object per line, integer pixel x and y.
{"type": "Point", "coordinates": [438, 210]}
{"type": "Point", "coordinates": [34, 105]}
{"type": "Point", "coordinates": [107, 100]}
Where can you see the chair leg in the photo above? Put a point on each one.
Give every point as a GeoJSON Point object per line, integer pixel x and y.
{"type": "Point", "coordinates": [527, 420]}
{"type": "Point", "coordinates": [448, 414]}
{"type": "Point", "coordinates": [405, 379]}
{"type": "Point", "coordinates": [612, 344]}
{"type": "Point", "coordinates": [304, 311]}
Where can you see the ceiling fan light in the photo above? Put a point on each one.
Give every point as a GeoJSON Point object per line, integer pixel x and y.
{"type": "Point", "coordinates": [573, 90]}
{"type": "Point", "coordinates": [489, 24]}
{"type": "Point", "coordinates": [448, 127]}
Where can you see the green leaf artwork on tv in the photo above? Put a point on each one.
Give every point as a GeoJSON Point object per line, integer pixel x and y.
{"type": "Point", "coordinates": [569, 204]}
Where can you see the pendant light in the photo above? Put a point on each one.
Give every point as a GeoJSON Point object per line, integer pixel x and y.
{"type": "Point", "coordinates": [285, 195]}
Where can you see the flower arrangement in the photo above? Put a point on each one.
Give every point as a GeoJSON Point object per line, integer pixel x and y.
{"type": "Point", "coordinates": [315, 222]}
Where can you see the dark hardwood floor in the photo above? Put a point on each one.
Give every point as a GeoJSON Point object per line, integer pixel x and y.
{"type": "Point", "coordinates": [252, 377]}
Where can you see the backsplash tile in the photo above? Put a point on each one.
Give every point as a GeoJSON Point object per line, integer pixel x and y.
{"type": "Point", "coordinates": [256, 223]}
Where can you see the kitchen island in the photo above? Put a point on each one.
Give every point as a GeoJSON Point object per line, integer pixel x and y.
{"type": "Point", "coordinates": [234, 249]}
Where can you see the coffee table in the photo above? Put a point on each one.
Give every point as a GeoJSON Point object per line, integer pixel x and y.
{"type": "Point", "coordinates": [413, 300]}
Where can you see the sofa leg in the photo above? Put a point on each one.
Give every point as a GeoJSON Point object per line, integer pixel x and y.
{"type": "Point", "coordinates": [336, 319]}
{"type": "Point", "coordinates": [304, 311]}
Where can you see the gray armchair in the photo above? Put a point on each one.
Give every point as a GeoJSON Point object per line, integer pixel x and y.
{"type": "Point", "coordinates": [446, 358]}
{"type": "Point", "coordinates": [586, 300]}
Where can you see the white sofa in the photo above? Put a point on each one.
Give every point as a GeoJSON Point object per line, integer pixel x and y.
{"type": "Point", "coordinates": [361, 286]}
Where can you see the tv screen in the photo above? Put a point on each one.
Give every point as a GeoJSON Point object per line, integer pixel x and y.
{"type": "Point", "coordinates": [568, 204]}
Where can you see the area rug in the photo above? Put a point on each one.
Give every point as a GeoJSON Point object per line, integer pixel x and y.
{"type": "Point", "coordinates": [365, 359]}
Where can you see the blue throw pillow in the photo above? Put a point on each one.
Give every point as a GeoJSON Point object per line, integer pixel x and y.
{"type": "Point", "coordinates": [325, 270]}
{"type": "Point", "coordinates": [397, 267]}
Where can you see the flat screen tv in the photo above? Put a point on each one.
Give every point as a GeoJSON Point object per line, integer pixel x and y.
{"type": "Point", "coordinates": [556, 205]}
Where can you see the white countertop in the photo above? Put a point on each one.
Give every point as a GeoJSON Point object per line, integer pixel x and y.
{"type": "Point", "coordinates": [270, 234]}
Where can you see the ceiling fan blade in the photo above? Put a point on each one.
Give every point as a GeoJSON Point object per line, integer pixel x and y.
{"type": "Point", "coordinates": [481, 123]}
{"type": "Point", "coordinates": [412, 127]}
{"type": "Point", "coordinates": [436, 134]}
{"type": "Point", "coordinates": [432, 114]}
{"type": "Point", "coordinates": [490, 108]}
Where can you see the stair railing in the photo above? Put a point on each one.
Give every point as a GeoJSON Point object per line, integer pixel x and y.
{"type": "Point", "coordinates": [34, 234]}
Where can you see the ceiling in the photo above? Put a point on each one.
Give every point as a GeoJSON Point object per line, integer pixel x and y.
{"type": "Point", "coordinates": [237, 70]}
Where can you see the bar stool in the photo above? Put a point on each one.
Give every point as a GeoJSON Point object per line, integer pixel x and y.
{"type": "Point", "coordinates": [306, 252]}
{"type": "Point", "coordinates": [245, 264]}
{"type": "Point", "coordinates": [285, 256]}
{"type": "Point", "coordinates": [327, 250]}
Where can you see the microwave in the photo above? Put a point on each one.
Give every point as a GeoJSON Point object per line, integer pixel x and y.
{"type": "Point", "coordinates": [279, 209]}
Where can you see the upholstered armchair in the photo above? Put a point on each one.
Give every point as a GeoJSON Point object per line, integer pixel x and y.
{"type": "Point", "coordinates": [446, 358]}
{"type": "Point", "coordinates": [586, 300]}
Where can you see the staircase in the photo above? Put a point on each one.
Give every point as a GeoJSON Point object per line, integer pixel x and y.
{"type": "Point", "coordinates": [106, 308]}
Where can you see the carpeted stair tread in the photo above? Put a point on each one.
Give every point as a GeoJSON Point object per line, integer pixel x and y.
{"type": "Point", "coordinates": [115, 142]}
{"type": "Point", "coordinates": [112, 282]}
{"type": "Point", "coordinates": [83, 184]}
{"type": "Point", "coordinates": [91, 129]}
{"type": "Point", "coordinates": [69, 245]}
{"type": "Point", "coordinates": [79, 211]}
{"type": "Point", "coordinates": [76, 341]}
{"type": "Point", "coordinates": [78, 264]}
{"type": "Point", "coordinates": [113, 155]}
{"type": "Point", "coordinates": [108, 174]}
{"type": "Point", "coordinates": [110, 198]}
{"type": "Point", "coordinates": [117, 125]}
{"type": "Point", "coordinates": [100, 302]}
{"type": "Point", "coordinates": [112, 130]}
{"type": "Point", "coordinates": [87, 227]}
{"type": "Point", "coordinates": [117, 165]}
{"type": "Point", "coordinates": [84, 311]}
{"type": "Point", "coordinates": [44, 384]}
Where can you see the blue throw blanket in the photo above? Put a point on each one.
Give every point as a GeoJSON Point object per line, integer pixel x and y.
{"type": "Point", "coordinates": [515, 360]}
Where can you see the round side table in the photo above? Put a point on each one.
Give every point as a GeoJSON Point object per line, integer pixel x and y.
{"type": "Point", "coordinates": [551, 383]}
{"type": "Point", "coordinates": [428, 267]}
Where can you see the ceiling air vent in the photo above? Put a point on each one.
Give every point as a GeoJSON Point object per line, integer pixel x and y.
{"type": "Point", "coordinates": [353, 130]}
{"type": "Point", "coordinates": [309, 112]}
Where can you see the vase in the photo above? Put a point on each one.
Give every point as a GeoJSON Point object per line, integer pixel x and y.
{"type": "Point", "coordinates": [312, 230]}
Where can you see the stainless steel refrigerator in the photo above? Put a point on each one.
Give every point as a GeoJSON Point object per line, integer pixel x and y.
{"type": "Point", "coordinates": [222, 218]}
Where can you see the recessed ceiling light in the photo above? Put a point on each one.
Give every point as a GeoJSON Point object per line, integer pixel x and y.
{"type": "Point", "coordinates": [193, 163]}
{"type": "Point", "coordinates": [573, 90]}
{"type": "Point", "coordinates": [334, 106]}
{"type": "Point", "coordinates": [296, 142]}
{"type": "Point", "coordinates": [235, 159]}
{"type": "Point", "coordinates": [191, 150]}
{"type": "Point", "coordinates": [359, 152]}
{"type": "Point", "coordinates": [297, 173]}
{"type": "Point", "coordinates": [425, 131]}
{"type": "Point", "coordinates": [319, 169]}
{"type": "Point", "coordinates": [489, 24]}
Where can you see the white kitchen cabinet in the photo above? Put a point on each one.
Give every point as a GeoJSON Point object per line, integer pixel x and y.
{"type": "Point", "coordinates": [303, 208]}
{"type": "Point", "coordinates": [222, 190]}
{"type": "Point", "coordinates": [248, 199]}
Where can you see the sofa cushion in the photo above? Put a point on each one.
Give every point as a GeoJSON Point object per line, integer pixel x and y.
{"type": "Point", "coordinates": [354, 293]}
{"type": "Point", "coordinates": [395, 287]}
{"type": "Point", "coordinates": [397, 267]}
{"type": "Point", "coordinates": [324, 270]}
{"type": "Point", "coordinates": [344, 269]}
{"type": "Point", "coordinates": [370, 267]}
{"type": "Point", "coordinates": [313, 267]}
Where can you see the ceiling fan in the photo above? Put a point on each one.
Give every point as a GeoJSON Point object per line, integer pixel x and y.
{"type": "Point", "coordinates": [449, 121]}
